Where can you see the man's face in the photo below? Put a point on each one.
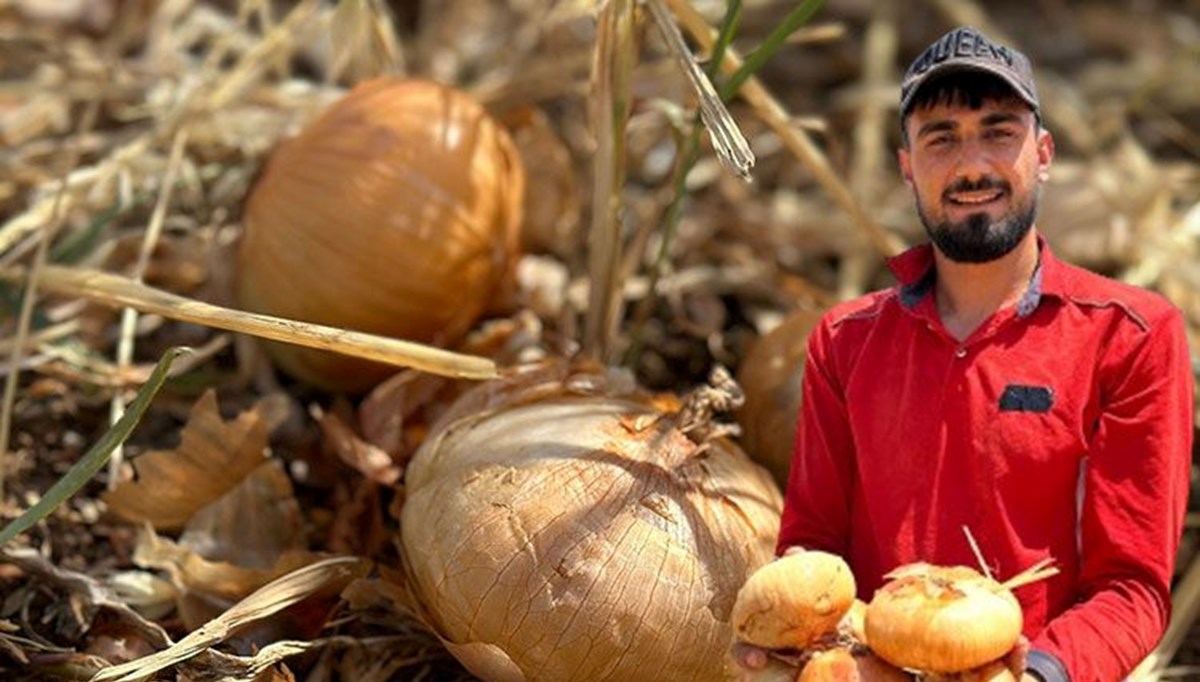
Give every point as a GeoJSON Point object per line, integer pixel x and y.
{"type": "Point", "coordinates": [976, 174]}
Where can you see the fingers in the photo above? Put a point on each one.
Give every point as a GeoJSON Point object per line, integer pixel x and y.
{"type": "Point", "coordinates": [748, 656]}
{"type": "Point", "coordinates": [1018, 657]}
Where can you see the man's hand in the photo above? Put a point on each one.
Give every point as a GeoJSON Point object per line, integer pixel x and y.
{"type": "Point", "coordinates": [749, 657]}
{"type": "Point", "coordinates": [1017, 659]}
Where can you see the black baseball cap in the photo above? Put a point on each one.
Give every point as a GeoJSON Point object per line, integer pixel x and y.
{"type": "Point", "coordinates": [966, 49]}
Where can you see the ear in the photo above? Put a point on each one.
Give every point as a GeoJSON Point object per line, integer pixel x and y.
{"type": "Point", "coordinates": [1045, 151]}
{"type": "Point", "coordinates": [904, 157]}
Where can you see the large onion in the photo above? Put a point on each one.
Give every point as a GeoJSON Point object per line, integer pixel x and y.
{"type": "Point", "coordinates": [558, 525]}
{"type": "Point", "coordinates": [793, 601]}
{"type": "Point", "coordinates": [942, 619]}
{"type": "Point", "coordinates": [771, 374]}
{"type": "Point", "coordinates": [397, 212]}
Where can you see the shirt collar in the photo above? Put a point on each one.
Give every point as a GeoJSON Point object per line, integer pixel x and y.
{"type": "Point", "coordinates": [916, 275]}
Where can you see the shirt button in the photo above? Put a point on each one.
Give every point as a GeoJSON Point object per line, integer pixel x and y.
{"type": "Point", "coordinates": [960, 352]}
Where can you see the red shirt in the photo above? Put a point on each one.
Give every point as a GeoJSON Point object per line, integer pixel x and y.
{"type": "Point", "coordinates": [1060, 428]}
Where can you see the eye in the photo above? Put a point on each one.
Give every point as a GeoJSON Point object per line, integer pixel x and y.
{"type": "Point", "coordinates": [940, 140]}
{"type": "Point", "coordinates": [1000, 134]}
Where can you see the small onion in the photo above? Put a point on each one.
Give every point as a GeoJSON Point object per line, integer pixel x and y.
{"type": "Point", "coordinates": [793, 601]}
{"type": "Point", "coordinates": [842, 665]}
{"type": "Point", "coordinates": [559, 526]}
{"type": "Point", "coordinates": [939, 619]}
{"type": "Point", "coordinates": [770, 375]}
{"type": "Point", "coordinates": [396, 212]}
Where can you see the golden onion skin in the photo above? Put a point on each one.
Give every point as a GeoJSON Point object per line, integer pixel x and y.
{"type": "Point", "coordinates": [842, 665]}
{"type": "Point", "coordinates": [853, 624]}
{"type": "Point", "coordinates": [396, 212]}
{"type": "Point", "coordinates": [770, 375]}
{"type": "Point", "coordinates": [996, 671]}
{"type": "Point", "coordinates": [793, 601]}
{"type": "Point", "coordinates": [942, 619]}
{"type": "Point", "coordinates": [559, 521]}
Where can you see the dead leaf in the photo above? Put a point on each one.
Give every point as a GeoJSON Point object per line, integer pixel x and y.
{"type": "Point", "coordinates": [252, 525]}
{"type": "Point", "coordinates": [362, 456]}
{"type": "Point", "coordinates": [385, 414]}
{"type": "Point", "coordinates": [358, 526]}
{"type": "Point", "coordinates": [208, 587]}
{"type": "Point", "coordinates": [213, 456]}
{"type": "Point", "coordinates": [263, 603]}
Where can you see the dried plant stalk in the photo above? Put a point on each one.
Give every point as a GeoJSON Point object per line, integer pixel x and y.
{"type": "Point", "coordinates": [116, 291]}
{"type": "Point", "coordinates": [612, 70]}
{"type": "Point", "coordinates": [793, 138]}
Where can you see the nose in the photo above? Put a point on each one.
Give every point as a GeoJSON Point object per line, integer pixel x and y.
{"type": "Point", "coordinates": [974, 161]}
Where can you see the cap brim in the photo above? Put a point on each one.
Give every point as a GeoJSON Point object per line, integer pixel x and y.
{"type": "Point", "coordinates": [966, 65]}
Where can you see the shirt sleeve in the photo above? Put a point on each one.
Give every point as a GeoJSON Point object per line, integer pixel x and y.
{"type": "Point", "coordinates": [1135, 487]}
{"type": "Point", "coordinates": [816, 504]}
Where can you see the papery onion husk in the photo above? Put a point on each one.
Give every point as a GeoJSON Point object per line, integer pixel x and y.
{"type": "Point", "coordinates": [770, 375]}
{"type": "Point", "coordinates": [852, 624]}
{"type": "Point", "coordinates": [396, 212]}
{"type": "Point", "coordinates": [559, 524]}
{"type": "Point", "coordinates": [942, 619]}
{"type": "Point", "coordinates": [996, 671]}
{"type": "Point", "coordinates": [794, 600]}
{"type": "Point", "coordinates": [842, 664]}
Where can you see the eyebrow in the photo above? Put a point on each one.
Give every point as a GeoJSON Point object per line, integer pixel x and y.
{"type": "Point", "coordinates": [993, 119]}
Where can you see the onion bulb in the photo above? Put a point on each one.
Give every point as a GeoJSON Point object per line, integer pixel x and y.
{"type": "Point", "coordinates": [794, 600]}
{"type": "Point", "coordinates": [996, 671]}
{"type": "Point", "coordinates": [396, 212]}
{"type": "Point", "coordinates": [842, 664]}
{"type": "Point", "coordinates": [560, 525]}
{"type": "Point", "coordinates": [771, 375]}
{"type": "Point", "coordinates": [852, 623]}
{"type": "Point", "coordinates": [940, 619]}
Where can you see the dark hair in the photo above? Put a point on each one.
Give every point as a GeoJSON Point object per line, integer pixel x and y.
{"type": "Point", "coordinates": [961, 88]}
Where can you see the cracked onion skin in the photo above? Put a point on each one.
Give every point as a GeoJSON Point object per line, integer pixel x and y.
{"type": "Point", "coordinates": [942, 619]}
{"type": "Point", "coordinates": [396, 212]}
{"type": "Point", "coordinates": [794, 600]}
{"type": "Point", "coordinates": [557, 526]}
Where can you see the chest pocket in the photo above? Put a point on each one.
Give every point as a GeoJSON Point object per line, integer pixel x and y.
{"type": "Point", "coordinates": [1033, 433]}
{"type": "Point", "coordinates": [1022, 398]}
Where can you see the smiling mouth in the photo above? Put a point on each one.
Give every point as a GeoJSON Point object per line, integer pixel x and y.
{"type": "Point", "coordinates": [975, 198]}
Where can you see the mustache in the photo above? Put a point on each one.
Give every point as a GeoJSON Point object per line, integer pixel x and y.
{"type": "Point", "coordinates": [986, 182]}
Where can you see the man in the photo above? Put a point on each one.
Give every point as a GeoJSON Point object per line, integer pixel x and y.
{"type": "Point", "coordinates": [1046, 409]}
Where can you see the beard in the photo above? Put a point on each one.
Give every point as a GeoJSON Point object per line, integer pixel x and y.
{"type": "Point", "coordinates": [978, 238]}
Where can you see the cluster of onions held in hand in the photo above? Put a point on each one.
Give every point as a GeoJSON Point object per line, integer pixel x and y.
{"type": "Point", "coordinates": [943, 623]}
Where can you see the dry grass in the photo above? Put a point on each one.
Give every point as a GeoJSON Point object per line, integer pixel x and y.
{"type": "Point", "coordinates": [189, 97]}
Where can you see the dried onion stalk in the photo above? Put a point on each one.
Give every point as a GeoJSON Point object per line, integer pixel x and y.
{"type": "Point", "coordinates": [559, 525]}
{"type": "Point", "coordinates": [397, 212]}
{"type": "Point", "coordinates": [942, 619]}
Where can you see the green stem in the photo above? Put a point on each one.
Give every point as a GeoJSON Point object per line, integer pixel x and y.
{"type": "Point", "coordinates": [97, 456]}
